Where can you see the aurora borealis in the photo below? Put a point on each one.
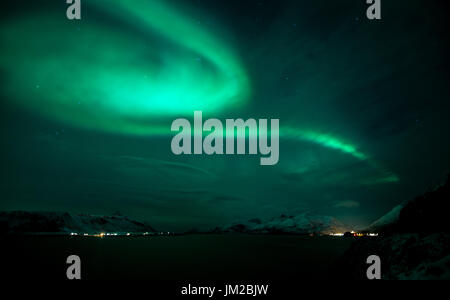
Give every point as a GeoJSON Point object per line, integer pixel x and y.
{"type": "Point", "coordinates": [101, 79]}
{"type": "Point", "coordinates": [87, 107]}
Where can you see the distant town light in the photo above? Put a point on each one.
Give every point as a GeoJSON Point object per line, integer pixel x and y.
{"type": "Point", "coordinates": [337, 234]}
{"type": "Point", "coordinates": [355, 234]}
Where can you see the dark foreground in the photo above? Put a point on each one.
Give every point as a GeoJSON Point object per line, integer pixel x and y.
{"type": "Point", "coordinates": [194, 257]}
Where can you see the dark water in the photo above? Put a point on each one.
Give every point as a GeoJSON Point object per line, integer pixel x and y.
{"type": "Point", "coordinates": [210, 257]}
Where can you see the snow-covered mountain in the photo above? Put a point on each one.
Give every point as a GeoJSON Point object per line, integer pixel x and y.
{"type": "Point", "coordinates": [390, 218]}
{"type": "Point", "coordinates": [305, 223]}
{"type": "Point", "coordinates": [410, 256]}
{"type": "Point", "coordinates": [425, 213]}
{"type": "Point", "coordinates": [63, 222]}
{"type": "Point", "coordinates": [414, 240]}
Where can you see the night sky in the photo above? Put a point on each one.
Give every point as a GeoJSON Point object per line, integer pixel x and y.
{"type": "Point", "coordinates": [87, 105]}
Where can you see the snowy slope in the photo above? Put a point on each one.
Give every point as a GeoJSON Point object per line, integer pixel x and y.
{"type": "Point", "coordinates": [55, 222]}
{"type": "Point", "coordinates": [409, 256]}
{"type": "Point", "coordinates": [389, 218]}
{"type": "Point", "coordinates": [305, 223]}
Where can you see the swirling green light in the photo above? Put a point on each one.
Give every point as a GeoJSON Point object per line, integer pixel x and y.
{"type": "Point", "coordinates": [130, 79]}
{"type": "Point", "coordinates": [159, 64]}
{"type": "Point", "coordinates": [332, 142]}
{"type": "Point", "coordinates": [324, 140]}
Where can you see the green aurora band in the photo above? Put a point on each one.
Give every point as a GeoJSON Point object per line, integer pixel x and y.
{"type": "Point", "coordinates": [159, 65]}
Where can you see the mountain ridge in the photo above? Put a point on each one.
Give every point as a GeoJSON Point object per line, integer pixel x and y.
{"type": "Point", "coordinates": [38, 222]}
{"type": "Point", "coordinates": [304, 223]}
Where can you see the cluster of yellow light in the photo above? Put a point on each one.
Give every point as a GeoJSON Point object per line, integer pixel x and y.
{"type": "Point", "coordinates": [337, 234]}
{"type": "Point", "coordinates": [356, 234]}
{"type": "Point", "coordinates": [103, 234]}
